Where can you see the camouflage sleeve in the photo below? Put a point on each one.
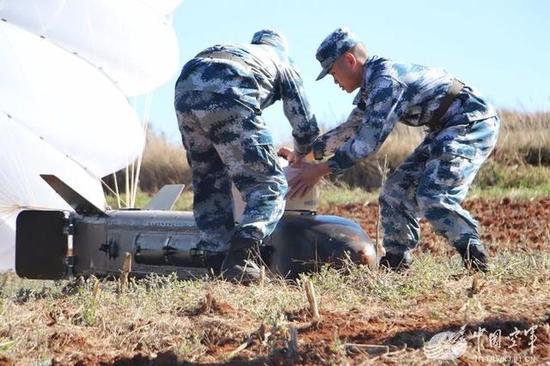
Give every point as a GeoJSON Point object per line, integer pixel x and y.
{"type": "Point", "coordinates": [330, 141]}
{"type": "Point", "coordinates": [383, 106]}
{"type": "Point", "coordinates": [297, 111]}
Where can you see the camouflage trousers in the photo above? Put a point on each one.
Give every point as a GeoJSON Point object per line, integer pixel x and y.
{"type": "Point", "coordinates": [432, 182]}
{"type": "Point", "coordinates": [227, 141]}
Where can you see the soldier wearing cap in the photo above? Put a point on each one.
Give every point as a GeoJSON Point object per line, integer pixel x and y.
{"type": "Point", "coordinates": [219, 98]}
{"type": "Point", "coordinates": [462, 130]}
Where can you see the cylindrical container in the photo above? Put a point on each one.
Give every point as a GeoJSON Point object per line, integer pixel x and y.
{"type": "Point", "coordinates": [309, 202]}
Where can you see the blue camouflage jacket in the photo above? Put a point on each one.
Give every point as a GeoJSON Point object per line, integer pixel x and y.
{"type": "Point", "coordinates": [393, 92]}
{"type": "Point", "coordinates": [262, 75]}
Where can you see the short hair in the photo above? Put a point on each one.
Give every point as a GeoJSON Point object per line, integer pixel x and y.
{"type": "Point", "coordinates": [359, 51]}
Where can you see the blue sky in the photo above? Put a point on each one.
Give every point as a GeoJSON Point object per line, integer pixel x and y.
{"type": "Point", "coordinates": [500, 47]}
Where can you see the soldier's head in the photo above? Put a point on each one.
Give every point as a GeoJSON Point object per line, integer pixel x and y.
{"type": "Point", "coordinates": [272, 38]}
{"type": "Point", "coordinates": [343, 56]}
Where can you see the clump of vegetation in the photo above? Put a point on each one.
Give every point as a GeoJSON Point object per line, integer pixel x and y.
{"type": "Point", "coordinates": [524, 137]}
{"type": "Point", "coordinates": [520, 175]}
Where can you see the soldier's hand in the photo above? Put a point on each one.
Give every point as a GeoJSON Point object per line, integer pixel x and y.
{"type": "Point", "coordinates": [292, 157]}
{"type": "Point", "coordinates": [309, 175]}
{"type": "Point", "coordinates": [289, 155]}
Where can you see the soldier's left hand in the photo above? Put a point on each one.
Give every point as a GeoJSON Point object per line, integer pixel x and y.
{"type": "Point", "coordinates": [309, 175]}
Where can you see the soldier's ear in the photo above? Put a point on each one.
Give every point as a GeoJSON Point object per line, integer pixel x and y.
{"type": "Point", "coordinates": [350, 58]}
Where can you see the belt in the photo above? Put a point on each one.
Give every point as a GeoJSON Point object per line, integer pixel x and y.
{"type": "Point", "coordinates": [435, 122]}
{"type": "Point", "coordinates": [223, 55]}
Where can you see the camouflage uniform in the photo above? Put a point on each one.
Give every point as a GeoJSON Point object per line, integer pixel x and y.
{"type": "Point", "coordinates": [433, 181]}
{"type": "Point", "coordinates": [219, 98]}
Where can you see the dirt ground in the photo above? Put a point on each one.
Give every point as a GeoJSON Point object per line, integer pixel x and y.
{"type": "Point", "coordinates": [367, 341]}
{"type": "Point", "coordinates": [507, 225]}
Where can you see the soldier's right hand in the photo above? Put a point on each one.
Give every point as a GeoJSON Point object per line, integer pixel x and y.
{"type": "Point", "coordinates": [289, 155]}
{"type": "Point", "coordinates": [292, 157]}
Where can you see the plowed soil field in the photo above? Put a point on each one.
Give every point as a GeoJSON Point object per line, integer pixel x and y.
{"type": "Point", "coordinates": [505, 224]}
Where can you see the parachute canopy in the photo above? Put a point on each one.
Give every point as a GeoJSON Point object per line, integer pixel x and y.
{"type": "Point", "coordinates": [67, 68]}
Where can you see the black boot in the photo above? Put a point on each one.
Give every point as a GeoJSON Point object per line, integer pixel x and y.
{"type": "Point", "coordinates": [214, 262]}
{"type": "Point", "coordinates": [474, 257]}
{"type": "Point", "coordinates": [396, 261]}
{"type": "Point", "coordinates": [241, 262]}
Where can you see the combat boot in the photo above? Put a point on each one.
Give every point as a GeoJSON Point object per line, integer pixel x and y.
{"type": "Point", "coordinates": [214, 262]}
{"type": "Point", "coordinates": [396, 261]}
{"type": "Point", "coordinates": [241, 262]}
{"type": "Point", "coordinates": [474, 257]}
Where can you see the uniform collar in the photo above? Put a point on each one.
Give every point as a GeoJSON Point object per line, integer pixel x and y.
{"type": "Point", "coordinates": [367, 71]}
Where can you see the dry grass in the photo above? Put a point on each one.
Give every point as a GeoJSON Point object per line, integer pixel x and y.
{"type": "Point", "coordinates": [162, 164]}
{"type": "Point", "coordinates": [374, 317]}
{"type": "Point", "coordinates": [524, 140]}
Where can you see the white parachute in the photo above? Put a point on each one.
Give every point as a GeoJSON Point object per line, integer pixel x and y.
{"type": "Point", "coordinates": [67, 68]}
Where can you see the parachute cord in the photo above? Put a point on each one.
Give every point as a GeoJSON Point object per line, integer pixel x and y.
{"type": "Point", "coordinates": [116, 189]}
{"type": "Point", "coordinates": [146, 114]}
{"type": "Point", "coordinates": [127, 186]}
{"type": "Point", "coordinates": [115, 193]}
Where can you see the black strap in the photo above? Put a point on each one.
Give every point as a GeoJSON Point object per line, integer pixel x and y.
{"type": "Point", "coordinates": [435, 122]}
